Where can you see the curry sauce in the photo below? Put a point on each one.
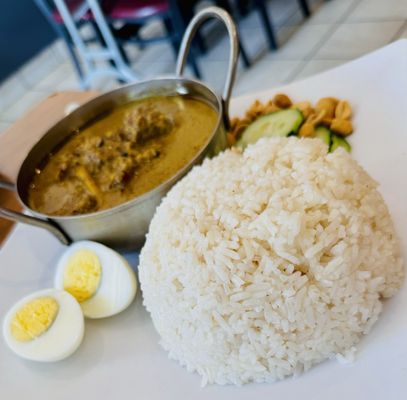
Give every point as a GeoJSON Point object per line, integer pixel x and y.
{"type": "Point", "coordinates": [127, 153]}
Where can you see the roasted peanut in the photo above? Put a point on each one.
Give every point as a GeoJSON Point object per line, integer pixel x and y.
{"type": "Point", "coordinates": [306, 130]}
{"type": "Point", "coordinates": [328, 104]}
{"type": "Point", "coordinates": [231, 138]}
{"type": "Point", "coordinates": [308, 127]}
{"type": "Point", "coordinates": [342, 127]}
{"type": "Point", "coordinates": [305, 108]}
{"type": "Point", "coordinates": [270, 107]}
{"type": "Point", "coordinates": [255, 110]}
{"type": "Point", "coordinates": [316, 117]}
{"type": "Point", "coordinates": [282, 101]}
{"type": "Point", "coordinates": [343, 110]}
{"type": "Point", "coordinates": [241, 127]}
{"type": "Point", "coordinates": [234, 122]}
{"type": "Point", "coordinates": [326, 121]}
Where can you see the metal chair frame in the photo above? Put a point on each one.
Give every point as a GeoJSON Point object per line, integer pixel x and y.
{"type": "Point", "coordinates": [118, 67]}
{"type": "Point", "coordinates": [61, 31]}
{"type": "Point", "coordinates": [108, 37]}
{"type": "Point", "coordinates": [174, 24]}
{"type": "Point", "coordinates": [111, 42]}
{"type": "Point", "coordinates": [261, 7]}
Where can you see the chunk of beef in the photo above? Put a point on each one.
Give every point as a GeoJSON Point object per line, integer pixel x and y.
{"type": "Point", "coordinates": [68, 197]}
{"type": "Point", "coordinates": [145, 123]}
{"type": "Point", "coordinates": [118, 171]}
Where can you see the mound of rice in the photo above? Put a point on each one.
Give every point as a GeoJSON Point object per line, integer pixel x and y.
{"type": "Point", "coordinates": [259, 265]}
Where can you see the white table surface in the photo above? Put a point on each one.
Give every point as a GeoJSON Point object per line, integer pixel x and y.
{"type": "Point", "coordinates": [120, 357]}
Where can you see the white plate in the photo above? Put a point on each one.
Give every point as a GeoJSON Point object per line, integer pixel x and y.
{"type": "Point", "coordinates": [120, 357]}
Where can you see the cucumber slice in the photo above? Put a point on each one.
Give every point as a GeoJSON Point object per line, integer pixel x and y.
{"type": "Point", "coordinates": [338, 141]}
{"type": "Point", "coordinates": [279, 123]}
{"type": "Point", "coordinates": [324, 134]}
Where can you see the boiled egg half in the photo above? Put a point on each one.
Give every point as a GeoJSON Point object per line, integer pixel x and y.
{"type": "Point", "coordinates": [100, 279]}
{"type": "Point", "coordinates": [47, 325]}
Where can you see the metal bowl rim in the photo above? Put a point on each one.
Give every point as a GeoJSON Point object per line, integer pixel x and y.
{"type": "Point", "coordinates": [145, 196]}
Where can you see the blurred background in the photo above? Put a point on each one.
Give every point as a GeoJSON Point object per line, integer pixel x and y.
{"type": "Point", "coordinates": [59, 45]}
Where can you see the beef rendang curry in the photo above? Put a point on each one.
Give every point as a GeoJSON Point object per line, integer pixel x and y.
{"type": "Point", "coordinates": [132, 150]}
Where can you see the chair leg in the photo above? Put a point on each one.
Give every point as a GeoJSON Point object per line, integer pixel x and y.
{"type": "Point", "coordinates": [243, 7]}
{"type": "Point", "coordinates": [123, 53]}
{"type": "Point", "coordinates": [225, 4]}
{"type": "Point", "coordinates": [102, 41]}
{"type": "Point", "coordinates": [200, 43]}
{"type": "Point", "coordinates": [194, 66]}
{"type": "Point", "coordinates": [73, 56]}
{"type": "Point", "coordinates": [243, 53]}
{"type": "Point", "coordinates": [185, 11]}
{"type": "Point", "coordinates": [262, 9]}
{"type": "Point", "coordinates": [304, 8]}
{"type": "Point", "coordinates": [75, 61]}
{"type": "Point", "coordinates": [178, 26]}
{"type": "Point", "coordinates": [63, 34]}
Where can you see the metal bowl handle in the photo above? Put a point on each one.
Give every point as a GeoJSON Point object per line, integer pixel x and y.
{"type": "Point", "coordinates": [26, 219]}
{"type": "Point", "coordinates": [196, 22]}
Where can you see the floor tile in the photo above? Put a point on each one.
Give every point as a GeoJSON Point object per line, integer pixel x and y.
{"type": "Point", "coordinates": [295, 39]}
{"type": "Point", "coordinates": [352, 40]}
{"type": "Point", "coordinates": [160, 51]}
{"type": "Point", "coordinates": [330, 12]}
{"type": "Point", "coordinates": [371, 10]}
{"type": "Point", "coordinates": [132, 51]}
{"type": "Point", "coordinates": [55, 78]}
{"type": "Point", "coordinates": [60, 50]}
{"type": "Point", "coordinates": [39, 67]}
{"type": "Point", "coordinates": [214, 74]}
{"type": "Point", "coordinates": [253, 40]}
{"type": "Point", "coordinates": [153, 69]}
{"type": "Point", "coordinates": [110, 84]}
{"type": "Point", "coordinates": [294, 19]}
{"type": "Point", "coordinates": [279, 12]}
{"type": "Point", "coordinates": [69, 82]}
{"type": "Point", "coordinates": [264, 74]}
{"type": "Point", "coordinates": [21, 106]}
{"type": "Point", "coordinates": [297, 42]}
{"type": "Point", "coordinates": [313, 67]}
{"type": "Point", "coordinates": [4, 126]}
{"type": "Point", "coordinates": [11, 90]}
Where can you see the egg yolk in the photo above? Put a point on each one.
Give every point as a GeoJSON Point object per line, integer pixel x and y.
{"type": "Point", "coordinates": [34, 318]}
{"type": "Point", "coordinates": [82, 275]}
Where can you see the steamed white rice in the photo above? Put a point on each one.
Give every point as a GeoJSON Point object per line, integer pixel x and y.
{"type": "Point", "coordinates": [259, 265]}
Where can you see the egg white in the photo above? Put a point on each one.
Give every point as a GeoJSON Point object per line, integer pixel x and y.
{"type": "Point", "coordinates": [61, 339]}
{"type": "Point", "coordinates": [118, 285]}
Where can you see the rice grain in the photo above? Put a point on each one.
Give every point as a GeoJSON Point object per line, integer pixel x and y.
{"type": "Point", "coordinates": [260, 264]}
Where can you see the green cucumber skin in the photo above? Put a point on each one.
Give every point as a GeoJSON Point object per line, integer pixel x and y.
{"type": "Point", "coordinates": [338, 141]}
{"type": "Point", "coordinates": [277, 124]}
{"type": "Point", "coordinates": [324, 134]}
{"type": "Point", "coordinates": [286, 123]}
